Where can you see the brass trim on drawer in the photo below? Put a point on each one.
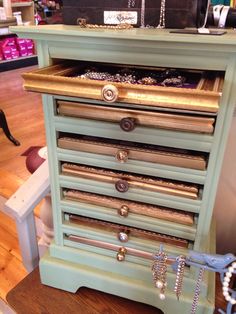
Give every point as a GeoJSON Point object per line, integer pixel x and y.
{"type": "Point", "coordinates": [130, 151]}
{"type": "Point", "coordinates": [113, 247]}
{"type": "Point", "coordinates": [59, 80]}
{"type": "Point", "coordinates": [180, 122]}
{"type": "Point", "coordinates": [135, 181]}
{"type": "Point", "coordinates": [104, 226]}
{"type": "Point", "coordinates": [124, 207]}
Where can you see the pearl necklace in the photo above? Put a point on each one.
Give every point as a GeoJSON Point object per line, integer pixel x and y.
{"type": "Point", "coordinates": [226, 282]}
{"type": "Point", "coordinates": [162, 20]}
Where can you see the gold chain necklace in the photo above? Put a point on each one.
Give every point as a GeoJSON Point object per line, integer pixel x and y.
{"type": "Point", "coordinates": [82, 23]}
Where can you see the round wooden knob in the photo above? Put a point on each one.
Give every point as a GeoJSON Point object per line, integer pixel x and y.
{"type": "Point", "coordinates": [122, 186]}
{"type": "Point", "coordinates": [110, 93]}
{"type": "Point", "coordinates": [127, 124]}
{"type": "Point", "coordinates": [121, 254]}
{"type": "Point", "coordinates": [122, 156]}
{"type": "Point", "coordinates": [123, 211]}
{"type": "Point", "coordinates": [123, 236]}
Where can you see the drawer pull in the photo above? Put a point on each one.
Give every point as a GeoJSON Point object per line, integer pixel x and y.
{"type": "Point", "coordinates": [121, 254]}
{"type": "Point", "coordinates": [122, 186]}
{"type": "Point", "coordinates": [123, 211]}
{"type": "Point", "coordinates": [127, 124]}
{"type": "Point", "coordinates": [122, 156]}
{"type": "Point", "coordinates": [110, 93]}
{"type": "Point", "coordinates": [123, 236]}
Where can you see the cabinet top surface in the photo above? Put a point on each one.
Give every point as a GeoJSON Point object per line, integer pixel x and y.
{"type": "Point", "coordinates": [44, 32]}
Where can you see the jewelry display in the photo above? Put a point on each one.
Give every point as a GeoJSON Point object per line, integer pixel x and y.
{"type": "Point", "coordinates": [162, 19]}
{"type": "Point", "coordinates": [179, 275]}
{"type": "Point", "coordinates": [159, 270]}
{"type": "Point", "coordinates": [142, 17]}
{"type": "Point", "coordinates": [197, 291]}
{"type": "Point", "coordinates": [167, 78]}
{"type": "Point", "coordinates": [83, 24]}
{"type": "Point", "coordinates": [131, 4]}
{"type": "Point", "coordinates": [226, 282]}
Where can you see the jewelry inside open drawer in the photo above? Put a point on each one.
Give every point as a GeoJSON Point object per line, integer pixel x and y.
{"type": "Point", "coordinates": [149, 86]}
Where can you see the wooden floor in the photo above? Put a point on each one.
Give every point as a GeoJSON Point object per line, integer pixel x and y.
{"type": "Point", "coordinates": [25, 118]}
{"type": "Point", "coordinates": [24, 115]}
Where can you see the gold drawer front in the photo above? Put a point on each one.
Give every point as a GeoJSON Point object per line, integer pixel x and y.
{"type": "Point", "coordinates": [123, 181]}
{"type": "Point", "coordinates": [63, 79]}
{"type": "Point", "coordinates": [129, 119]}
{"type": "Point", "coordinates": [122, 233]}
{"type": "Point", "coordinates": [126, 207]}
{"type": "Point", "coordinates": [125, 151]}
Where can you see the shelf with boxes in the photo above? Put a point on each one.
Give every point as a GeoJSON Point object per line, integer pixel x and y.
{"type": "Point", "coordinates": [16, 52]}
{"type": "Point", "coordinates": [136, 124]}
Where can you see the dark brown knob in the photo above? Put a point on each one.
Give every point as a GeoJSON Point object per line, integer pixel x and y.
{"type": "Point", "coordinates": [122, 186]}
{"type": "Point", "coordinates": [127, 124]}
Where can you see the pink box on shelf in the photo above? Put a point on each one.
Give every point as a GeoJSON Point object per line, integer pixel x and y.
{"type": "Point", "coordinates": [22, 47]}
{"type": "Point", "coordinates": [15, 54]}
{"type": "Point", "coordinates": [14, 48]}
{"type": "Point", "coordinates": [20, 41]}
{"type": "Point", "coordinates": [6, 51]}
{"type": "Point", "coordinates": [30, 52]}
{"type": "Point", "coordinates": [23, 53]}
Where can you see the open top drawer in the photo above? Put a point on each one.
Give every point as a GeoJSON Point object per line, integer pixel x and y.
{"type": "Point", "coordinates": [157, 87]}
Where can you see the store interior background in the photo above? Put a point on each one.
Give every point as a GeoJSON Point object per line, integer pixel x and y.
{"type": "Point", "coordinates": [25, 119]}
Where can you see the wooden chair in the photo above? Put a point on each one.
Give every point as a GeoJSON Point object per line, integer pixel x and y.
{"type": "Point", "coordinates": [20, 206]}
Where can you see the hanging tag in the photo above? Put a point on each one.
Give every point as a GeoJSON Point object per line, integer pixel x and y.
{"type": "Point", "coordinates": [118, 17]}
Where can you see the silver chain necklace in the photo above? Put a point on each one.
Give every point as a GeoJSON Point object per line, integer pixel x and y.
{"type": "Point", "coordinates": [162, 20]}
{"type": "Point", "coordinates": [142, 17]}
{"type": "Point", "coordinates": [131, 3]}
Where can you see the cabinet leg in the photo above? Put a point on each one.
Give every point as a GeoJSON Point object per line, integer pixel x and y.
{"type": "Point", "coordinates": [4, 126]}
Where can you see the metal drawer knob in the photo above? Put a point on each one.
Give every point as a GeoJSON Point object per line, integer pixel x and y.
{"type": "Point", "coordinates": [110, 93]}
{"type": "Point", "coordinates": [127, 124]}
{"type": "Point", "coordinates": [122, 186]}
{"type": "Point", "coordinates": [123, 236]}
{"type": "Point", "coordinates": [121, 254]}
{"type": "Point", "coordinates": [122, 156]}
{"type": "Point", "coordinates": [123, 211]}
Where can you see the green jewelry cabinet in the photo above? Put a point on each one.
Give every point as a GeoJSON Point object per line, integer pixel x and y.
{"type": "Point", "coordinates": [82, 254]}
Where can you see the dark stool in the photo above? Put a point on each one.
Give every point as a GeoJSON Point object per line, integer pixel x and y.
{"type": "Point", "coordinates": [4, 126]}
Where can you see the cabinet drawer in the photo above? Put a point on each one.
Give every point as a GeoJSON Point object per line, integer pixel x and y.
{"type": "Point", "coordinates": [128, 119]}
{"type": "Point", "coordinates": [125, 208]}
{"type": "Point", "coordinates": [119, 233]}
{"type": "Point", "coordinates": [124, 151]}
{"type": "Point", "coordinates": [122, 181]}
{"type": "Point", "coordinates": [200, 92]}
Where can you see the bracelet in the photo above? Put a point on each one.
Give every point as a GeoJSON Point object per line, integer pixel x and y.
{"type": "Point", "coordinates": [216, 13]}
{"type": "Point", "coordinates": [223, 16]}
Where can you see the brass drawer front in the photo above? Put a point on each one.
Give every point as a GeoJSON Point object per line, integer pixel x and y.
{"type": "Point", "coordinates": [121, 250]}
{"type": "Point", "coordinates": [123, 181]}
{"type": "Point", "coordinates": [124, 233]}
{"type": "Point", "coordinates": [128, 119]}
{"type": "Point", "coordinates": [62, 79]}
{"type": "Point", "coordinates": [123, 151]}
{"type": "Point", "coordinates": [125, 207]}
